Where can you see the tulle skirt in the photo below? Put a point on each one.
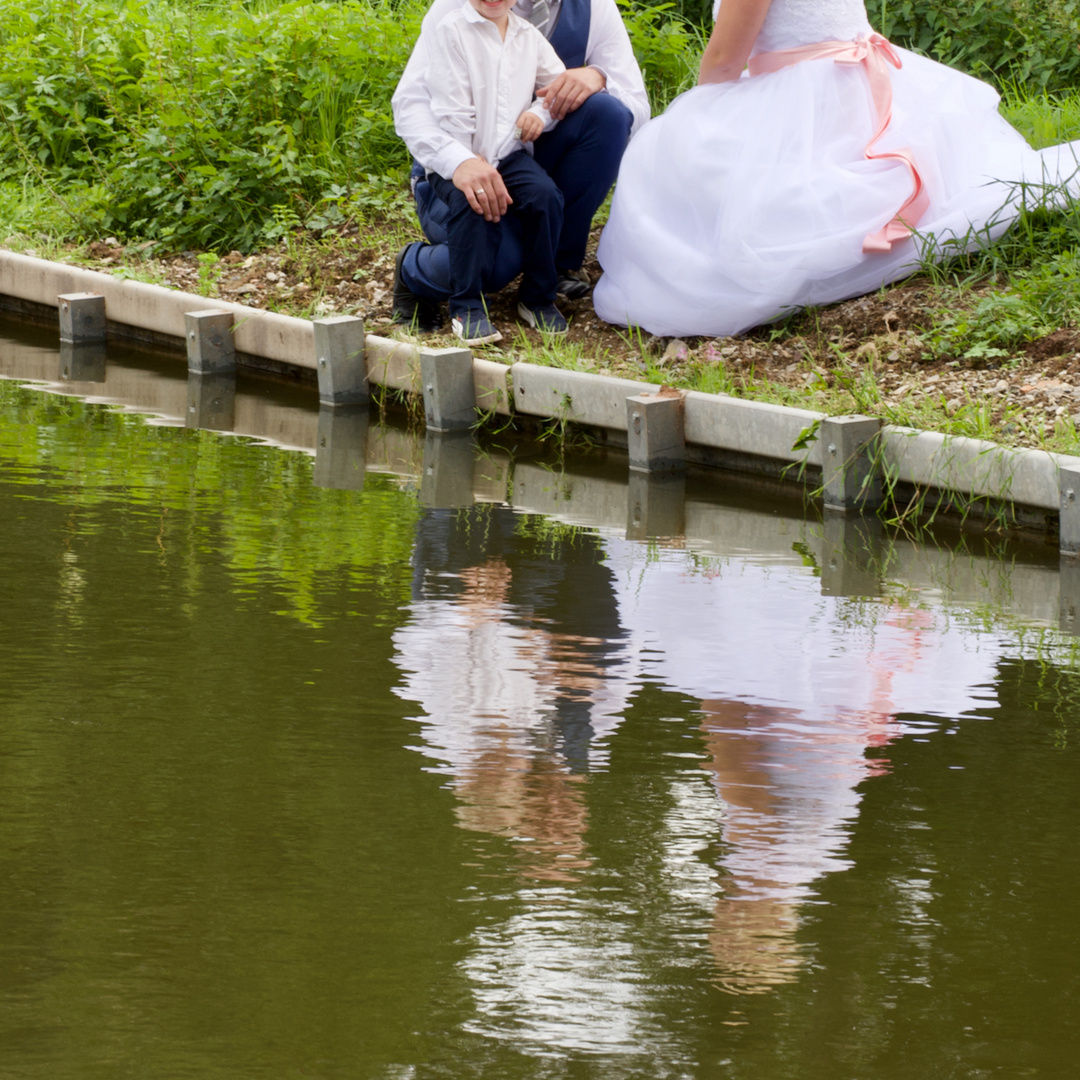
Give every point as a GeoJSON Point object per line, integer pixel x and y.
{"type": "Point", "coordinates": [747, 200]}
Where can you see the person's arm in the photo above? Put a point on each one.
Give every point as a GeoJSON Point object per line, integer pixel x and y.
{"type": "Point", "coordinates": [414, 121]}
{"type": "Point", "coordinates": [451, 91]}
{"type": "Point", "coordinates": [738, 23]}
{"type": "Point", "coordinates": [610, 65]}
{"type": "Point", "coordinates": [549, 69]}
{"type": "Point", "coordinates": [611, 56]}
{"type": "Point", "coordinates": [419, 129]}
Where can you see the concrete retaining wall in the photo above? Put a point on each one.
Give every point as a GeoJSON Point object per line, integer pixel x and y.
{"type": "Point", "coordinates": [732, 432]}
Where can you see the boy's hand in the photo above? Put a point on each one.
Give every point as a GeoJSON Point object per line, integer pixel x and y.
{"type": "Point", "coordinates": [531, 126]}
{"type": "Point", "coordinates": [482, 185]}
{"type": "Point", "coordinates": [567, 92]}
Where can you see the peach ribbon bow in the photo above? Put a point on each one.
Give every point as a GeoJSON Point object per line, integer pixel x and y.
{"type": "Point", "coordinates": [875, 53]}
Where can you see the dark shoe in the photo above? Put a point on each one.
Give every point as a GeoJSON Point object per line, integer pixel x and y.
{"type": "Point", "coordinates": [571, 286]}
{"type": "Point", "coordinates": [410, 309]}
{"type": "Point", "coordinates": [474, 328]}
{"type": "Point", "coordinates": [546, 318]}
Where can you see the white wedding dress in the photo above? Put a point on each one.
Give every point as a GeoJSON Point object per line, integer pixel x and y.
{"type": "Point", "coordinates": [748, 199]}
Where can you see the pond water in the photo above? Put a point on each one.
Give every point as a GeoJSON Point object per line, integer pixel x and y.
{"type": "Point", "coordinates": [308, 771]}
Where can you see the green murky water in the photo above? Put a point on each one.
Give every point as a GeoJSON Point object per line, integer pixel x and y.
{"type": "Point", "coordinates": [298, 781]}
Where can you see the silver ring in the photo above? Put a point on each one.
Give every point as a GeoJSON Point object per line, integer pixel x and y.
{"type": "Point", "coordinates": [479, 191]}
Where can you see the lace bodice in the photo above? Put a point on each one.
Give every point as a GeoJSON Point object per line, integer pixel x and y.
{"type": "Point", "coordinates": [805, 22]}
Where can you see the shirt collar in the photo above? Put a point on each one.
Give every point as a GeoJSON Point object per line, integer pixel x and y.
{"type": "Point", "coordinates": [513, 26]}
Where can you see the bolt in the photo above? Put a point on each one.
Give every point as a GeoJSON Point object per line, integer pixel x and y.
{"type": "Point", "coordinates": [832, 449]}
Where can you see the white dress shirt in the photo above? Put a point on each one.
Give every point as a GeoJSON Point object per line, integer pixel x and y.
{"type": "Point", "coordinates": [481, 83]}
{"type": "Point", "coordinates": [608, 49]}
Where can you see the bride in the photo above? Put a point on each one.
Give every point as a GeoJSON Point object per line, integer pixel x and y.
{"type": "Point", "coordinates": [826, 169]}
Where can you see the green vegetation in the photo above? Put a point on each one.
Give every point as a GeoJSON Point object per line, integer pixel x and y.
{"type": "Point", "coordinates": [222, 125]}
{"type": "Point", "coordinates": [217, 126]}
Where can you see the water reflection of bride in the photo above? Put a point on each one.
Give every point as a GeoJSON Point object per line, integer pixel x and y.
{"type": "Point", "coordinates": [799, 695]}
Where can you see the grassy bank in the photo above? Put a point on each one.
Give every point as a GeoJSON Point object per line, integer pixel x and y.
{"type": "Point", "coordinates": [246, 150]}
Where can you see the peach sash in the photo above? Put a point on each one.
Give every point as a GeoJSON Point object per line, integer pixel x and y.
{"type": "Point", "coordinates": [875, 53]}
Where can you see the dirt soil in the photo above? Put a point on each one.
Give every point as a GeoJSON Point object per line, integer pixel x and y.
{"type": "Point", "coordinates": [1027, 397]}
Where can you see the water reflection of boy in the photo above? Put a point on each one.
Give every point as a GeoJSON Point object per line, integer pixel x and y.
{"type": "Point", "coordinates": [560, 585]}
{"type": "Point", "coordinates": [513, 654]}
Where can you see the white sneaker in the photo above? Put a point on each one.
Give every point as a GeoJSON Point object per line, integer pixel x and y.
{"type": "Point", "coordinates": [474, 328]}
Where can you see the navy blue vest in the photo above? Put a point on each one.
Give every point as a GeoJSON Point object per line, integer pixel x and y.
{"type": "Point", "coordinates": [571, 35]}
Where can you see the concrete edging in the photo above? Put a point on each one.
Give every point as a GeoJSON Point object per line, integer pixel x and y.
{"type": "Point", "coordinates": [736, 432]}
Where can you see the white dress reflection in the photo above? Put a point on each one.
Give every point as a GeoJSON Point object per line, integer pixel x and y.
{"type": "Point", "coordinates": [798, 693]}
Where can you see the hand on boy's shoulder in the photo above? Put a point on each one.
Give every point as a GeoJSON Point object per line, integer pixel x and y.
{"type": "Point", "coordinates": [568, 91]}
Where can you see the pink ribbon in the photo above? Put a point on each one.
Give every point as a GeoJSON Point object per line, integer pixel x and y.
{"type": "Point", "coordinates": [875, 54]}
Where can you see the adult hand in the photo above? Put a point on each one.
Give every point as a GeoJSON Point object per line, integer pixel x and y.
{"type": "Point", "coordinates": [567, 91]}
{"type": "Point", "coordinates": [482, 185]}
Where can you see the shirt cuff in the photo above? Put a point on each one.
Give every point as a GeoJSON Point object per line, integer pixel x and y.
{"type": "Point", "coordinates": [607, 79]}
{"type": "Point", "coordinates": [447, 160]}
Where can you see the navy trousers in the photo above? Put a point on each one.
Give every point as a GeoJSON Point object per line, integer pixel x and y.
{"type": "Point", "coordinates": [581, 154]}
{"type": "Point", "coordinates": [473, 243]}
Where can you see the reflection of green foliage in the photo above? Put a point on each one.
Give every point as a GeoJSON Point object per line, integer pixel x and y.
{"type": "Point", "coordinates": [257, 507]}
{"type": "Point", "coordinates": [552, 537]}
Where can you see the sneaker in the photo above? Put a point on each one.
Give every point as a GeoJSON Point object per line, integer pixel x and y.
{"type": "Point", "coordinates": [571, 286]}
{"type": "Point", "coordinates": [410, 309]}
{"type": "Point", "coordinates": [546, 318]}
{"type": "Point", "coordinates": [474, 328]}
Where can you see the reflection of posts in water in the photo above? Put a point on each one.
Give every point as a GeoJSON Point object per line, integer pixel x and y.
{"type": "Point", "coordinates": [851, 554]}
{"type": "Point", "coordinates": [341, 447]}
{"type": "Point", "coordinates": [211, 402]}
{"type": "Point", "coordinates": [655, 506]}
{"type": "Point", "coordinates": [82, 362]}
{"type": "Point", "coordinates": [1069, 603]}
{"type": "Point", "coordinates": [447, 478]}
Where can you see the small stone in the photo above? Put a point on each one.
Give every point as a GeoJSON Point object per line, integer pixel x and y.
{"type": "Point", "coordinates": [952, 406]}
{"type": "Point", "coordinates": [243, 289]}
{"type": "Point", "coordinates": [1001, 386]}
{"type": "Point", "coordinates": [677, 351]}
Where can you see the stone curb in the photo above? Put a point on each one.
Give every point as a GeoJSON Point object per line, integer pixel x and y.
{"type": "Point", "coordinates": [717, 429]}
